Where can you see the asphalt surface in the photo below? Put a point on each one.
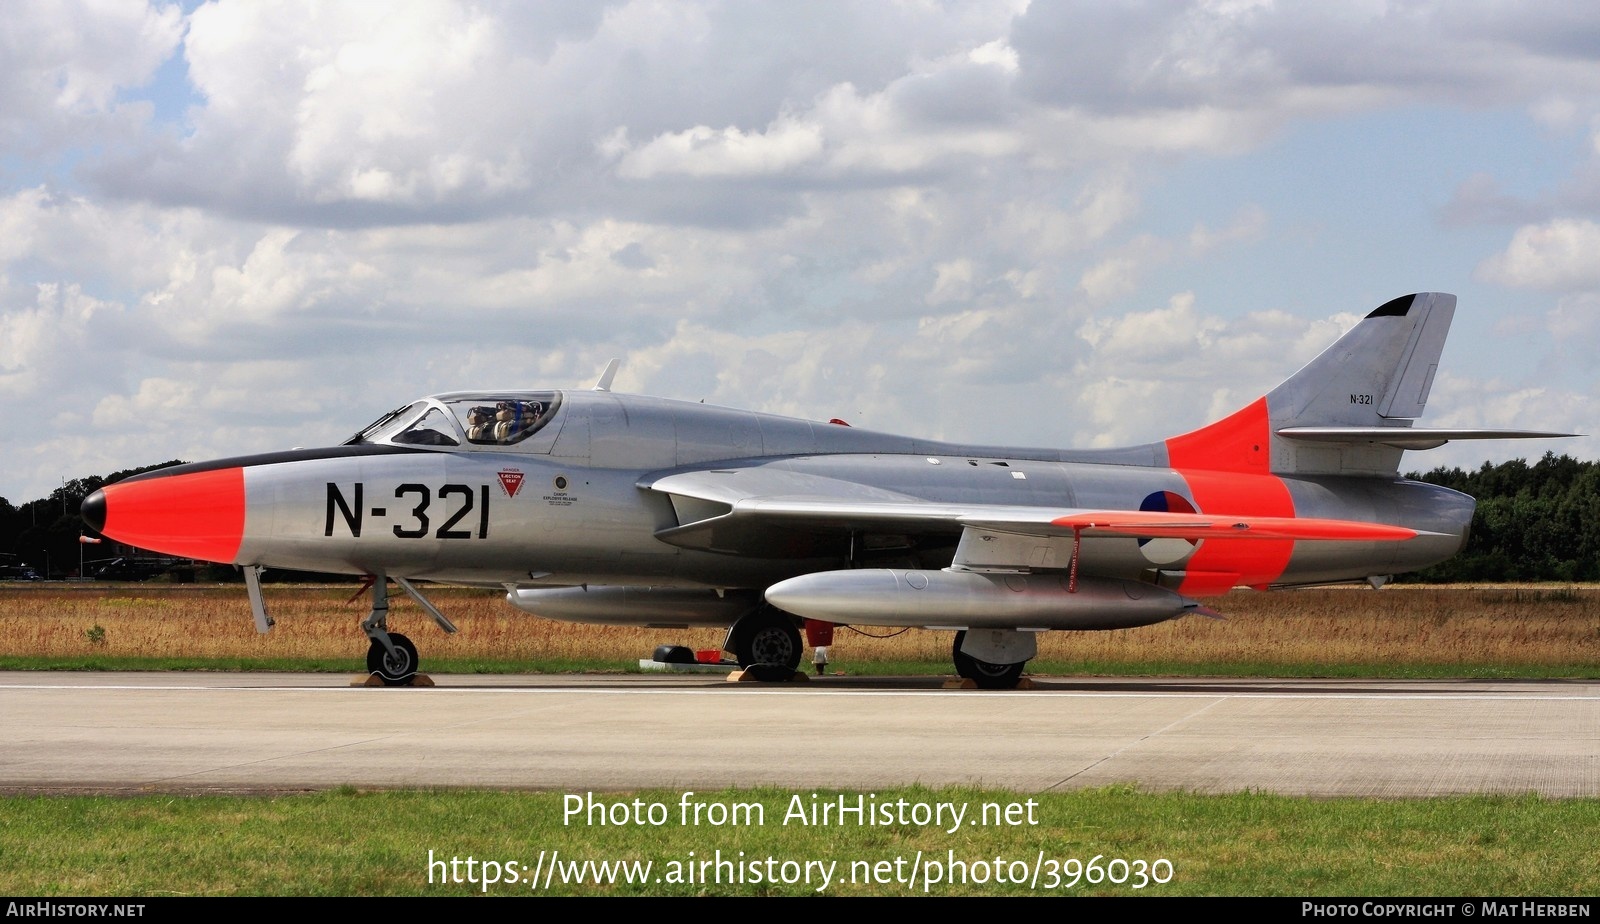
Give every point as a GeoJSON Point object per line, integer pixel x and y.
{"type": "Point", "coordinates": [194, 732]}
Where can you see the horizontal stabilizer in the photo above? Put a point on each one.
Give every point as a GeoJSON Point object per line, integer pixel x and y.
{"type": "Point", "coordinates": [1409, 437]}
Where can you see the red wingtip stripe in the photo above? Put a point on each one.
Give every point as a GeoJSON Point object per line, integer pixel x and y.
{"type": "Point", "coordinates": [193, 516]}
{"type": "Point", "coordinates": [1157, 524]}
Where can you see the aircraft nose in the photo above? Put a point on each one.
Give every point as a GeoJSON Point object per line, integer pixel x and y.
{"type": "Point", "coordinates": [93, 511]}
{"type": "Point", "coordinates": [190, 514]}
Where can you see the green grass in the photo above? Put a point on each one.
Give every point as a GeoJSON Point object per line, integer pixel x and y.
{"type": "Point", "coordinates": [350, 842]}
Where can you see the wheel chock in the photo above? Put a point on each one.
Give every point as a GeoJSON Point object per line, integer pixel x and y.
{"type": "Point", "coordinates": [964, 683]}
{"type": "Point", "coordinates": [373, 680]}
{"type": "Point", "coordinates": [767, 673]}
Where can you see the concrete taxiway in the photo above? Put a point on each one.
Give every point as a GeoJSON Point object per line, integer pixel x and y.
{"type": "Point", "coordinates": [191, 732]}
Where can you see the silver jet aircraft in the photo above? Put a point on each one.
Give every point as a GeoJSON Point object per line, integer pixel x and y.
{"type": "Point", "coordinates": [598, 507]}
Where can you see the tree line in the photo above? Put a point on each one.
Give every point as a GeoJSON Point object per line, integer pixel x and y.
{"type": "Point", "coordinates": [44, 533]}
{"type": "Point", "coordinates": [1534, 522]}
{"type": "Point", "coordinates": [1538, 522]}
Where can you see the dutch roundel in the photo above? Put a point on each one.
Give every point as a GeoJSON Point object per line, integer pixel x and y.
{"type": "Point", "coordinates": [1166, 551]}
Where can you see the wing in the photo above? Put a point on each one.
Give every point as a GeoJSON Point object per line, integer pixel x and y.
{"type": "Point", "coordinates": [768, 511]}
{"type": "Point", "coordinates": [771, 512]}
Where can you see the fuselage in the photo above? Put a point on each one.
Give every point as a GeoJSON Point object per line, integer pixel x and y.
{"type": "Point", "coordinates": [558, 492]}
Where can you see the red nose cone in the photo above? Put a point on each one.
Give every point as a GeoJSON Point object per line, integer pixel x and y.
{"type": "Point", "coordinates": [193, 516]}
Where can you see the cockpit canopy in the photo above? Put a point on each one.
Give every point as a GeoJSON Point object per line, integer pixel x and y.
{"type": "Point", "coordinates": [486, 419]}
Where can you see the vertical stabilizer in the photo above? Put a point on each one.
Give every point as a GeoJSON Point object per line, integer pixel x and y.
{"type": "Point", "coordinates": [1376, 377]}
{"type": "Point", "coordinates": [1377, 374]}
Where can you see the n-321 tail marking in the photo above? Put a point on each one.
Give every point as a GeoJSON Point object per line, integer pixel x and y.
{"type": "Point", "coordinates": [418, 499]}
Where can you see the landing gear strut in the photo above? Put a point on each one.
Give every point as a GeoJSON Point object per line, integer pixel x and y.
{"type": "Point", "coordinates": [987, 675]}
{"type": "Point", "coordinates": [391, 656]}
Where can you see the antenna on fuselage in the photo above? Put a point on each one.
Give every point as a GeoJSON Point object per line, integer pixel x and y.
{"type": "Point", "coordinates": [605, 377]}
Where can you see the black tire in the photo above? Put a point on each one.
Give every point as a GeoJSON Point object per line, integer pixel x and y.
{"type": "Point", "coordinates": [769, 636]}
{"type": "Point", "coordinates": [987, 675]}
{"type": "Point", "coordinates": [769, 673]}
{"type": "Point", "coordinates": [674, 654]}
{"type": "Point", "coordinates": [394, 671]}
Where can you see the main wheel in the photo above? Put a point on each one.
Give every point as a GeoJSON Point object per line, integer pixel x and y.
{"type": "Point", "coordinates": [767, 636]}
{"type": "Point", "coordinates": [986, 674]}
{"type": "Point", "coordinates": [396, 669]}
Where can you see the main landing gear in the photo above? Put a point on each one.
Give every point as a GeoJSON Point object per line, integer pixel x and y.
{"type": "Point", "coordinates": [767, 640]}
{"type": "Point", "coordinates": [992, 675]}
{"type": "Point", "coordinates": [392, 657]}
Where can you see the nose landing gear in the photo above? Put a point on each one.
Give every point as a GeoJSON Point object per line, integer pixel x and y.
{"type": "Point", "coordinates": [391, 657]}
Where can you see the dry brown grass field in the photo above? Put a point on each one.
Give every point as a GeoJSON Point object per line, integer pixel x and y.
{"type": "Point", "coordinates": [1555, 627]}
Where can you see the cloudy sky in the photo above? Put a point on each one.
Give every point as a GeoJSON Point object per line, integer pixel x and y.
{"type": "Point", "coordinates": [232, 227]}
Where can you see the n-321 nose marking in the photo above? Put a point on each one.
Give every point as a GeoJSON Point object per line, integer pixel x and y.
{"type": "Point", "coordinates": [458, 501]}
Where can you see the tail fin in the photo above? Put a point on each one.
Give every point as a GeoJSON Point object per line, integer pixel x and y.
{"type": "Point", "coordinates": [1349, 411]}
{"type": "Point", "coordinates": [1377, 375]}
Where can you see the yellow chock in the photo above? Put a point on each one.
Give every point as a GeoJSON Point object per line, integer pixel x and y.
{"type": "Point", "coordinates": [748, 676]}
{"type": "Point", "coordinates": [373, 680]}
{"type": "Point", "coordinates": [965, 683]}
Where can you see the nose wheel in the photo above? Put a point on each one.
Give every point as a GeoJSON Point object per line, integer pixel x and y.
{"type": "Point", "coordinates": [394, 668]}
{"type": "Point", "coordinates": [391, 656]}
